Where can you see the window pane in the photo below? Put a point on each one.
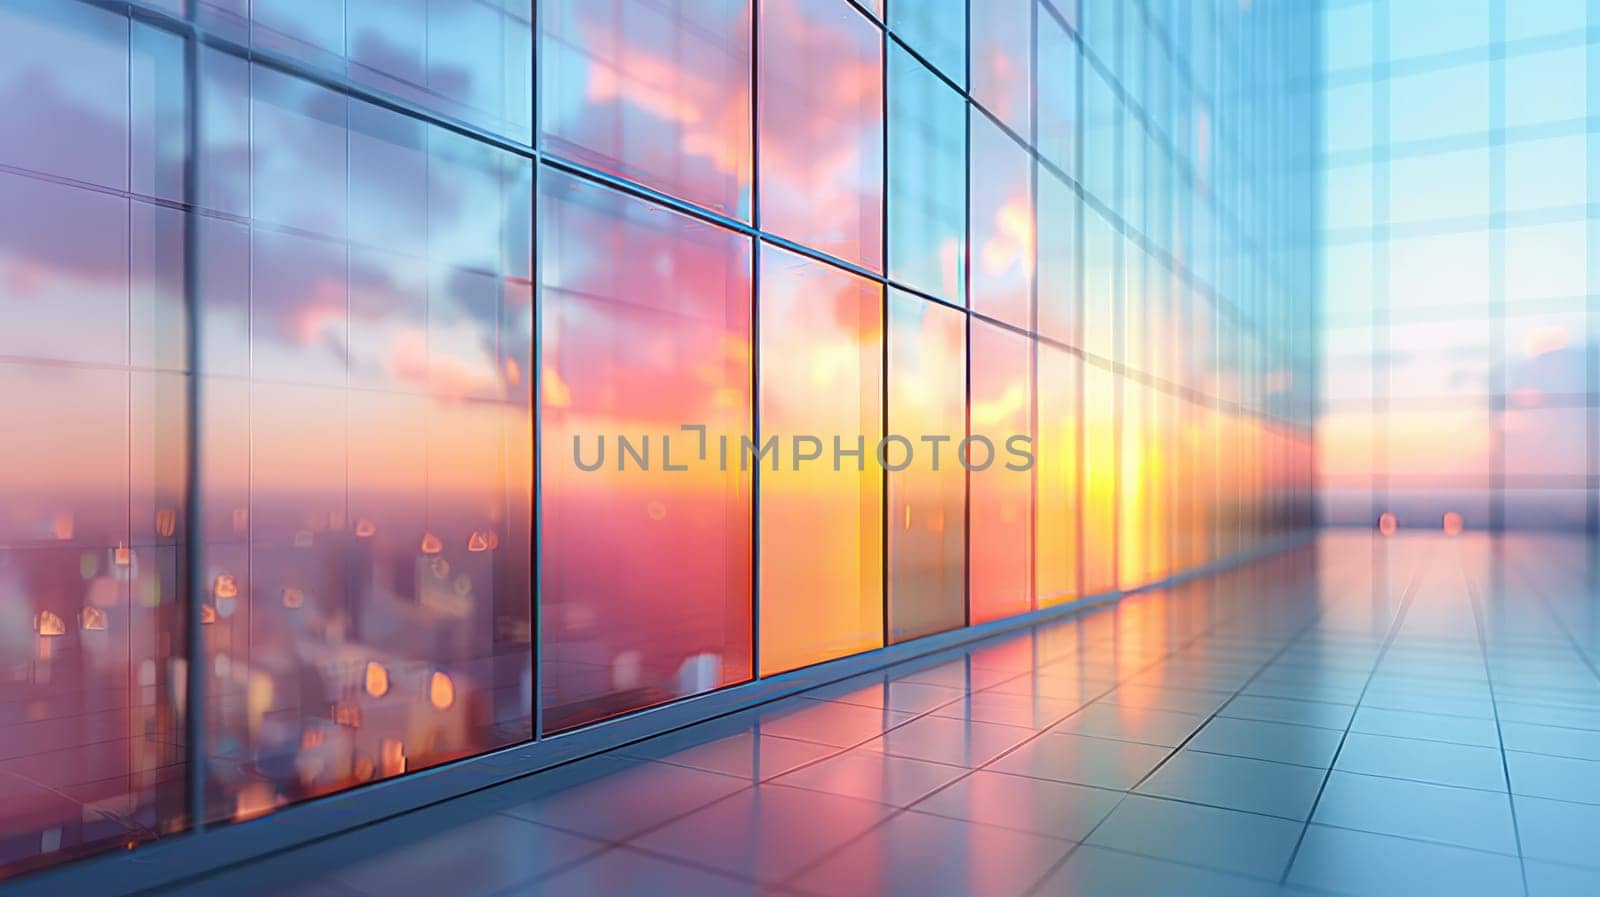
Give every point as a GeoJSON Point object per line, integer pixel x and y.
{"type": "Point", "coordinates": [646, 570]}
{"type": "Point", "coordinates": [1002, 225]}
{"type": "Point", "coordinates": [56, 57]}
{"type": "Point", "coordinates": [937, 29]}
{"type": "Point", "coordinates": [1135, 307]}
{"type": "Point", "coordinates": [1002, 498]}
{"type": "Point", "coordinates": [1056, 477]}
{"type": "Point", "coordinates": [927, 155]}
{"type": "Point", "coordinates": [1189, 473]}
{"type": "Point", "coordinates": [821, 528]}
{"type": "Point", "coordinates": [1101, 116]}
{"type": "Point", "coordinates": [1058, 95]}
{"type": "Point", "coordinates": [1059, 208]}
{"type": "Point", "coordinates": [821, 120]}
{"type": "Point", "coordinates": [655, 92]}
{"type": "Point", "coordinates": [381, 571]}
{"type": "Point", "coordinates": [927, 503]}
{"type": "Point", "coordinates": [91, 471]}
{"type": "Point", "coordinates": [1137, 547]}
{"type": "Point", "coordinates": [1099, 285]}
{"type": "Point", "coordinates": [1002, 71]}
{"type": "Point", "coordinates": [1099, 480]}
{"type": "Point", "coordinates": [1426, 28]}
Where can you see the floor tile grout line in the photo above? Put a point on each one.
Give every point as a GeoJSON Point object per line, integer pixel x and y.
{"type": "Point", "coordinates": [1478, 618]}
{"type": "Point", "coordinates": [1288, 764]}
{"type": "Point", "coordinates": [1289, 640]}
{"type": "Point", "coordinates": [1534, 586]}
{"type": "Point", "coordinates": [1062, 862]}
{"type": "Point", "coordinates": [751, 784]}
{"type": "Point", "coordinates": [1394, 633]}
{"type": "Point", "coordinates": [838, 751]}
{"type": "Point", "coordinates": [1154, 663]}
{"type": "Point", "coordinates": [629, 841]}
{"type": "Point", "coordinates": [1299, 887]}
{"type": "Point", "coordinates": [1311, 624]}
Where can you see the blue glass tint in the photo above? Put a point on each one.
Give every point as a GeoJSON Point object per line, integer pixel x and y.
{"type": "Point", "coordinates": [927, 181]}
{"type": "Point", "coordinates": [1002, 61]}
{"type": "Point", "coordinates": [1059, 118]}
{"type": "Point", "coordinates": [936, 29]}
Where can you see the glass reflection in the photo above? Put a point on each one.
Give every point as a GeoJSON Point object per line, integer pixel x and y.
{"type": "Point", "coordinates": [1100, 286]}
{"type": "Point", "coordinates": [1056, 526]}
{"type": "Point", "coordinates": [467, 59]}
{"type": "Point", "coordinates": [1058, 63]}
{"type": "Point", "coordinates": [821, 128]}
{"type": "Point", "coordinates": [927, 173]}
{"type": "Point", "coordinates": [927, 503]}
{"type": "Point", "coordinates": [1102, 114]}
{"type": "Point", "coordinates": [656, 93]}
{"type": "Point", "coordinates": [91, 475]}
{"type": "Point", "coordinates": [1058, 300]}
{"type": "Point", "coordinates": [937, 29]}
{"type": "Point", "coordinates": [1002, 61]}
{"type": "Point", "coordinates": [821, 543]}
{"type": "Point", "coordinates": [645, 585]}
{"type": "Point", "coordinates": [1002, 233]}
{"type": "Point", "coordinates": [1099, 479]}
{"type": "Point", "coordinates": [1002, 496]}
{"type": "Point", "coordinates": [366, 601]}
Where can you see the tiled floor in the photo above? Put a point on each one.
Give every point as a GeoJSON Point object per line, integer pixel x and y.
{"type": "Point", "coordinates": [1413, 715]}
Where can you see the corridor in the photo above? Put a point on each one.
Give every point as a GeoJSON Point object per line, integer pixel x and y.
{"type": "Point", "coordinates": [1410, 715]}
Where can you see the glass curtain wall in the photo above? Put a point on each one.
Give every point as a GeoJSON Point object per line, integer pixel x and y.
{"type": "Point", "coordinates": [284, 356]}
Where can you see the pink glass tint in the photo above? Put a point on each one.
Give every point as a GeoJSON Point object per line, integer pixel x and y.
{"type": "Point", "coordinates": [820, 120]}
{"type": "Point", "coordinates": [647, 573]}
{"type": "Point", "coordinates": [1002, 496]}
